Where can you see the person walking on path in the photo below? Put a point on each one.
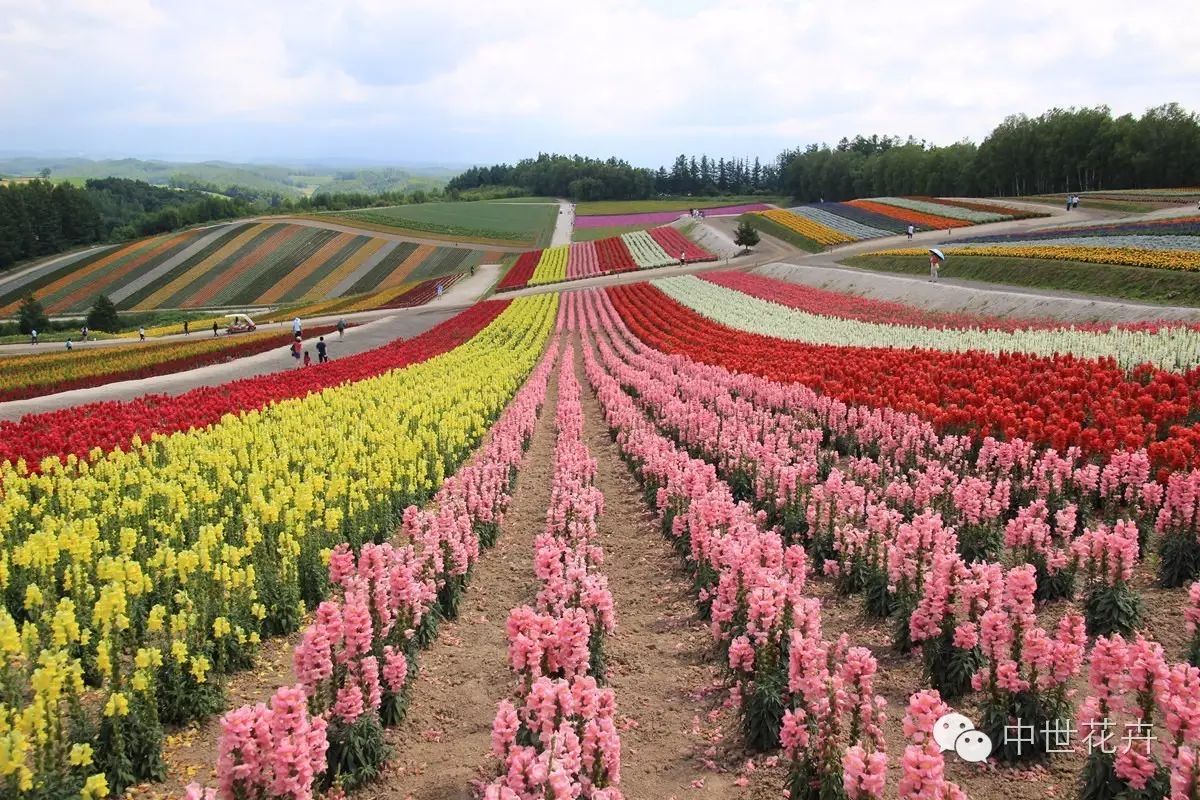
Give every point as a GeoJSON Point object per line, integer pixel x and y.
{"type": "Point", "coordinates": [296, 327]}
{"type": "Point", "coordinates": [33, 336]}
{"type": "Point", "coordinates": [682, 257]}
{"type": "Point", "coordinates": [214, 327]}
{"type": "Point", "coordinates": [83, 332]}
{"type": "Point", "coordinates": [910, 232]}
{"type": "Point", "coordinates": [296, 348]}
{"type": "Point", "coordinates": [341, 326]}
{"type": "Point", "coordinates": [142, 333]}
{"type": "Point", "coordinates": [439, 290]}
{"type": "Point", "coordinates": [186, 332]}
{"type": "Point", "coordinates": [322, 356]}
{"type": "Point", "coordinates": [69, 345]}
{"type": "Point", "coordinates": [933, 267]}
{"type": "Point", "coordinates": [307, 358]}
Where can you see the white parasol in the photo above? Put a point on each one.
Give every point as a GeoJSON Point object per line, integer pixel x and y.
{"type": "Point", "coordinates": [941, 256]}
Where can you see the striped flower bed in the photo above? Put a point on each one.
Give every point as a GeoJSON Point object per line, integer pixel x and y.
{"type": "Point", "coordinates": [582, 261]}
{"type": "Point", "coordinates": [942, 209]}
{"type": "Point", "coordinates": [852, 228]}
{"type": "Point", "coordinates": [236, 265]}
{"type": "Point", "coordinates": [657, 247]}
{"type": "Point", "coordinates": [646, 251]}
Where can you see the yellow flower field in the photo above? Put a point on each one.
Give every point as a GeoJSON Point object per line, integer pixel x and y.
{"type": "Point", "coordinates": [137, 575]}
{"type": "Point", "coordinates": [821, 234]}
{"type": "Point", "coordinates": [552, 266]}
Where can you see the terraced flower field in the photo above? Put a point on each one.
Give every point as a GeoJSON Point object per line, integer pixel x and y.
{"type": "Point", "coordinates": [820, 225]}
{"type": "Point", "coordinates": [657, 247]}
{"type": "Point", "coordinates": [241, 265]}
{"type": "Point", "coordinates": [714, 537]}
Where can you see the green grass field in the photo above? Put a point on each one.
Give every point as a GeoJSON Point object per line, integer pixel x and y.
{"type": "Point", "coordinates": [669, 204]}
{"type": "Point", "coordinates": [529, 224]}
{"type": "Point", "coordinates": [1167, 287]}
{"type": "Point", "coordinates": [591, 234]}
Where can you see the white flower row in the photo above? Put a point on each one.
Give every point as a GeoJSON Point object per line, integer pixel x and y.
{"type": "Point", "coordinates": [1127, 241]}
{"type": "Point", "coordinates": [846, 226]}
{"type": "Point", "coordinates": [647, 252]}
{"type": "Point", "coordinates": [1175, 348]}
{"type": "Point", "coordinates": [942, 210]}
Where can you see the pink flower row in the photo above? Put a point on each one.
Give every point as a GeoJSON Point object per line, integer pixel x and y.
{"type": "Point", "coordinates": [756, 592]}
{"type": "Point", "coordinates": [554, 647]}
{"type": "Point", "coordinates": [352, 660]}
{"type": "Point", "coordinates": [743, 435]}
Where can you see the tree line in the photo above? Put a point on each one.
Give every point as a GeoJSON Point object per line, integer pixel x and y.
{"type": "Point", "coordinates": [40, 218]}
{"type": "Point", "coordinates": [1061, 150]}
{"type": "Point", "coordinates": [582, 178]}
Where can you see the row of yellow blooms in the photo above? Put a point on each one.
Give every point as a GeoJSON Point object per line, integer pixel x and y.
{"type": "Point", "coordinates": [128, 579]}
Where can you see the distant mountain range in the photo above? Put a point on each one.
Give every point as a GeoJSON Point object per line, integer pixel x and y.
{"type": "Point", "coordinates": [287, 180]}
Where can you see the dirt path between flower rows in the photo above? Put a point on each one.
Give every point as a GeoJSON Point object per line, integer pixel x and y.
{"type": "Point", "coordinates": [445, 742]}
{"type": "Point", "coordinates": [675, 738]}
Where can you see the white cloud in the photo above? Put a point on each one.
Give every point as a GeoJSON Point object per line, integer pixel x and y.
{"type": "Point", "coordinates": [508, 76]}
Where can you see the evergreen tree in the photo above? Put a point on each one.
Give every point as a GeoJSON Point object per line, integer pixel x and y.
{"type": "Point", "coordinates": [103, 315]}
{"type": "Point", "coordinates": [31, 316]}
{"type": "Point", "coordinates": [745, 236]}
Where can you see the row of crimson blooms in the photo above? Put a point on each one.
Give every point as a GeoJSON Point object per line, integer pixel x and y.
{"type": "Point", "coordinates": [1061, 401]}
{"type": "Point", "coordinates": [107, 425]}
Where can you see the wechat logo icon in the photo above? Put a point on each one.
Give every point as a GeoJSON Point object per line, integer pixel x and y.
{"type": "Point", "coordinates": [956, 732]}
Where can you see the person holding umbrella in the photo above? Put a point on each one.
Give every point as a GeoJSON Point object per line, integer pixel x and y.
{"type": "Point", "coordinates": [936, 257]}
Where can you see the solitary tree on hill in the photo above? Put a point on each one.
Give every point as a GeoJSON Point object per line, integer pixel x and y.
{"type": "Point", "coordinates": [745, 236]}
{"type": "Point", "coordinates": [103, 315]}
{"type": "Point", "coordinates": [31, 316]}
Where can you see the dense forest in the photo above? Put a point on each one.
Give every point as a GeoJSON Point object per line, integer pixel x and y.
{"type": "Point", "coordinates": [39, 218]}
{"type": "Point", "coordinates": [1062, 150]}
{"type": "Point", "coordinates": [582, 178]}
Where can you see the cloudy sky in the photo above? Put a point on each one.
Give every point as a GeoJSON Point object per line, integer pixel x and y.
{"type": "Point", "coordinates": [470, 81]}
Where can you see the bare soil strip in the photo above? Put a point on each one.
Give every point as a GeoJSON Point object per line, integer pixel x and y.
{"type": "Point", "coordinates": [660, 661]}
{"type": "Point", "coordinates": [445, 742]}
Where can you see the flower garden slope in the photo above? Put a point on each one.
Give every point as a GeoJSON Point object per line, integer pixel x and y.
{"type": "Point", "coordinates": [629, 251]}
{"type": "Point", "coordinates": [1059, 401]}
{"type": "Point", "coordinates": [219, 531]}
{"type": "Point", "coordinates": [96, 428]}
{"type": "Point", "coordinates": [1173, 348]}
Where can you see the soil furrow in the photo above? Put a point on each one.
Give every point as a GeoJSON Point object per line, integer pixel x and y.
{"type": "Point", "coordinates": [445, 742]}
{"type": "Point", "coordinates": [660, 660]}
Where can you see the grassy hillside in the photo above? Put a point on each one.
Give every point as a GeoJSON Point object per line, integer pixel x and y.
{"type": "Point", "coordinates": [530, 224]}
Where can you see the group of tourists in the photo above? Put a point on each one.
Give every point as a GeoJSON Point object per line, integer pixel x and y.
{"type": "Point", "coordinates": [1072, 201]}
{"type": "Point", "coordinates": [301, 354]}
